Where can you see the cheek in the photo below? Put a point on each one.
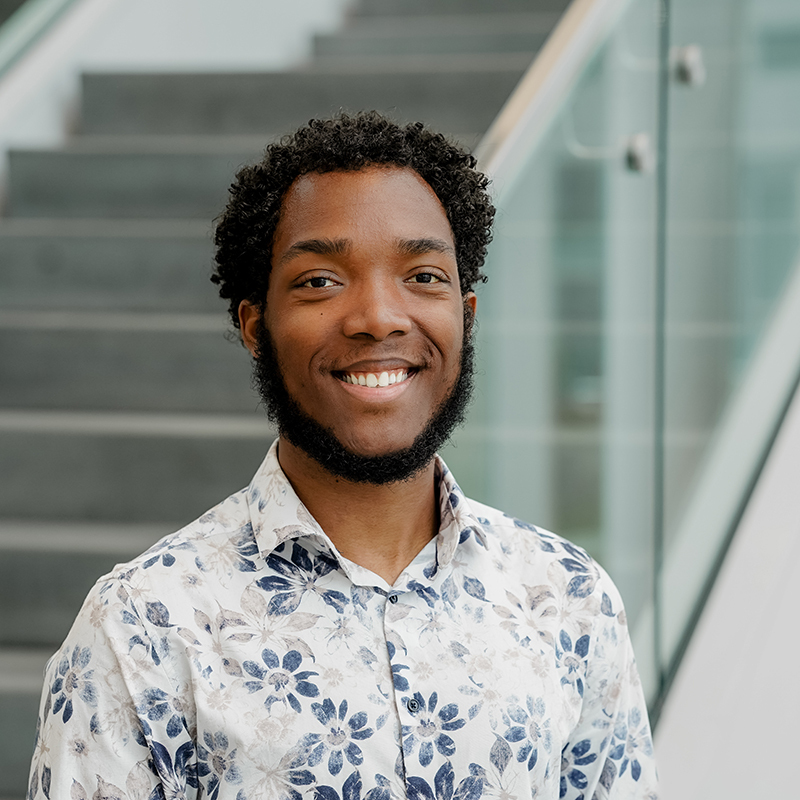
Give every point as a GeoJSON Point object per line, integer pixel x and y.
{"type": "Point", "coordinates": [454, 339]}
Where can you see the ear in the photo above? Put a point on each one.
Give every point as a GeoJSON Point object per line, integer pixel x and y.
{"type": "Point", "coordinates": [471, 299]}
{"type": "Point", "coordinates": [249, 318]}
{"type": "Point", "coordinates": [470, 307]}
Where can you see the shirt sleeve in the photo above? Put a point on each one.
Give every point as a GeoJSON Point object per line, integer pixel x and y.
{"type": "Point", "coordinates": [110, 722]}
{"type": "Point", "coordinates": [609, 755]}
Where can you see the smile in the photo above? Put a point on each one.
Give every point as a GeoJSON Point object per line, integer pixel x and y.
{"type": "Point", "coordinates": [375, 379]}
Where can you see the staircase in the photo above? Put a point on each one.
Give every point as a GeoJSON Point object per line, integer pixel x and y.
{"type": "Point", "coordinates": [124, 410]}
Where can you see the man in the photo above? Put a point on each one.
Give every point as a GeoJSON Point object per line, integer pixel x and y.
{"type": "Point", "coordinates": [350, 626]}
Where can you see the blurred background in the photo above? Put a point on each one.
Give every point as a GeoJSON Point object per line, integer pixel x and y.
{"type": "Point", "coordinates": [639, 338]}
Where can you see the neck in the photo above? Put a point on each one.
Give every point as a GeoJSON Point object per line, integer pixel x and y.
{"type": "Point", "coordinates": [381, 528]}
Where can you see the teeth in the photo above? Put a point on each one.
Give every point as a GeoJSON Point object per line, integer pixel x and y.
{"type": "Point", "coordinates": [373, 380]}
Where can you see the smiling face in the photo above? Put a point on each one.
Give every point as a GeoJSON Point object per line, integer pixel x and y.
{"type": "Point", "coordinates": [364, 314]}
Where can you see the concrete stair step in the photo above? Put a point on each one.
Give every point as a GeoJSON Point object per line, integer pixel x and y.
{"type": "Point", "coordinates": [21, 678]}
{"type": "Point", "coordinates": [81, 182]}
{"type": "Point", "coordinates": [46, 571]}
{"type": "Point", "coordinates": [367, 8]}
{"type": "Point", "coordinates": [136, 361]}
{"type": "Point", "coordinates": [111, 265]}
{"type": "Point", "coordinates": [434, 63]}
{"type": "Point", "coordinates": [466, 98]}
{"type": "Point", "coordinates": [430, 35]}
{"type": "Point", "coordinates": [463, 22]}
{"type": "Point", "coordinates": [124, 467]}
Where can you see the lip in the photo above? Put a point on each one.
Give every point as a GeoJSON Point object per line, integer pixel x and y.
{"type": "Point", "coordinates": [376, 394]}
{"type": "Point", "coordinates": [378, 366]}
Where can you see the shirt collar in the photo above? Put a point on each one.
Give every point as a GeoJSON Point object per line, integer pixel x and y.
{"type": "Point", "coordinates": [278, 515]}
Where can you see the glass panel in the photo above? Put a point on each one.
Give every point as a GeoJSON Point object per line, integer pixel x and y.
{"type": "Point", "coordinates": [563, 432]}
{"type": "Point", "coordinates": [24, 27]}
{"type": "Point", "coordinates": [733, 244]}
{"type": "Point", "coordinates": [562, 429]}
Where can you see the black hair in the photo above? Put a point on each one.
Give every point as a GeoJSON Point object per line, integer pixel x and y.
{"type": "Point", "coordinates": [246, 228]}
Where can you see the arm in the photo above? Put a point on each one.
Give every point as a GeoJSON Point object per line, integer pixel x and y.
{"type": "Point", "coordinates": [610, 754]}
{"type": "Point", "coordinates": [110, 722]}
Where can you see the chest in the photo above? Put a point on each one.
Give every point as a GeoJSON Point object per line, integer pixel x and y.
{"type": "Point", "coordinates": [308, 681]}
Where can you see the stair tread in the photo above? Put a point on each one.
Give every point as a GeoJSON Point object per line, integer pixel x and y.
{"type": "Point", "coordinates": [113, 320]}
{"type": "Point", "coordinates": [449, 24]}
{"type": "Point", "coordinates": [127, 423]}
{"type": "Point", "coordinates": [104, 228]}
{"type": "Point", "coordinates": [80, 537]}
{"type": "Point", "coordinates": [214, 144]}
{"type": "Point", "coordinates": [21, 669]}
{"type": "Point", "coordinates": [430, 63]}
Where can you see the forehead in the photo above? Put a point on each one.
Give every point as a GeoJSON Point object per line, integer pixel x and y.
{"type": "Point", "coordinates": [389, 202]}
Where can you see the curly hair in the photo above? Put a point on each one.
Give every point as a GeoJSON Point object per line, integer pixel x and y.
{"type": "Point", "coordinates": [246, 228]}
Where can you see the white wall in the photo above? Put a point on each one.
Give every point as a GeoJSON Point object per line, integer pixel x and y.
{"type": "Point", "coordinates": [729, 727]}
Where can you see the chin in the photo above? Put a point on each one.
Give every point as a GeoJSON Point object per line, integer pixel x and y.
{"type": "Point", "coordinates": [377, 447]}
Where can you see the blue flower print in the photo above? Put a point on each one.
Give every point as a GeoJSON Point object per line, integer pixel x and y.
{"type": "Point", "coordinates": [154, 705]}
{"type": "Point", "coordinates": [583, 569]}
{"type": "Point", "coordinates": [281, 678]}
{"type": "Point", "coordinates": [215, 760]}
{"type": "Point", "coordinates": [74, 680]}
{"type": "Point", "coordinates": [400, 681]}
{"type": "Point", "coordinates": [340, 740]}
{"type": "Point", "coordinates": [629, 741]}
{"type": "Point", "coordinates": [573, 759]}
{"type": "Point", "coordinates": [175, 776]}
{"type": "Point", "coordinates": [530, 726]}
{"type": "Point", "coordinates": [472, 787]}
{"type": "Point", "coordinates": [573, 659]}
{"type": "Point", "coordinates": [296, 577]}
{"type": "Point", "coordinates": [167, 559]}
{"type": "Point", "coordinates": [431, 729]}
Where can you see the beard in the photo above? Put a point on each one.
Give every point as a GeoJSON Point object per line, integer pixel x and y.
{"type": "Point", "coordinates": [322, 444]}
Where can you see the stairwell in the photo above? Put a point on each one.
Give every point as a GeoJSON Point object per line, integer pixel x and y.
{"type": "Point", "coordinates": [124, 410]}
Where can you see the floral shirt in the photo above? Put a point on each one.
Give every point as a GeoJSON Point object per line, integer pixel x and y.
{"type": "Point", "coordinates": [243, 657]}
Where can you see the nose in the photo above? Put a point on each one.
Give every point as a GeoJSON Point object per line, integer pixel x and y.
{"type": "Point", "coordinates": [376, 311]}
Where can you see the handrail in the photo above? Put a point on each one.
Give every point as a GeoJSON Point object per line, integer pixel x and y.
{"type": "Point", "coordinates": [526, 114]}
{"type": "Point", "coordinates": [26, 26]}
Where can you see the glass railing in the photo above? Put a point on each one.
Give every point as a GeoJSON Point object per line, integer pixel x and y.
{"type": "Point", "coordinates": [26, 26]}
{"type": "Point", "coordinates": [640, 332]}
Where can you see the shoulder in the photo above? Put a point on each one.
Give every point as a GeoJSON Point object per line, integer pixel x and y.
{"type": "Point", "coordinates": [205, 553]}
{"type": "Point", "coordinates": [224, 533]}
{"type": "Point", "coordinates": [532, 555]}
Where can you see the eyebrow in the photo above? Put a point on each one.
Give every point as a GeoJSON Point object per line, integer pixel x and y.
{"type": "Point", "coordinates": [340, 247]}
{"type": "Point", "coordinates": [419, 247]}
{"type": "Point", "coordinates": [321, 247]}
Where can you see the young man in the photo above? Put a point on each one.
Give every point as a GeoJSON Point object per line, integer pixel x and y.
{"type": "Point", "coordinates": [350, 626]}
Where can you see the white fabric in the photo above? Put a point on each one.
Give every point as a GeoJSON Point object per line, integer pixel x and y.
{"type": "Point", "coordinates": [243, 657]}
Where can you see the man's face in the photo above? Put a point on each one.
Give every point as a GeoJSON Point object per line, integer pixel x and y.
{"type": "Point", "coordinates": [364, 321]}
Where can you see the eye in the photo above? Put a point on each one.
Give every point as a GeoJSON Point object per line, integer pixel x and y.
{"type": "Point", "coordinates": [318, 282]}
{"type": "Point", "coordinates": [426, 277]}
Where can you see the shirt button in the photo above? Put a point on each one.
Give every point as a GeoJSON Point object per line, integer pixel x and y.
{"type": "Point", "coordinates": [392, 598]}
{"type": "Point", "coordinates": [413, 705]}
